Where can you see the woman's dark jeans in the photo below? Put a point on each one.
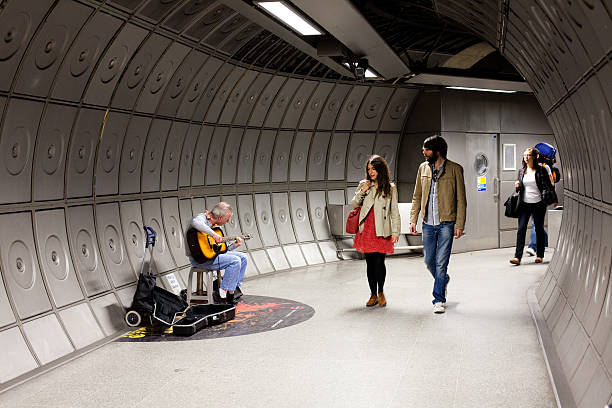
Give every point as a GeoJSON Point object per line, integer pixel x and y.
{"type": "Point", "coordinates": [538, 210]}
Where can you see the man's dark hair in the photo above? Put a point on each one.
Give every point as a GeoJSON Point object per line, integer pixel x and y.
{"type": "Point", "coordinates": [437, 144]}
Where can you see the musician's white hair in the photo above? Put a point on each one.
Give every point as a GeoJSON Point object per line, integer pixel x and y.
{"type": "Point", "coordinates": [222, 209]}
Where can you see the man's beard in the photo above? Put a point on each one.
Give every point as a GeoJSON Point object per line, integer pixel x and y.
{"type": "Point", "coordinates": [432, 159]}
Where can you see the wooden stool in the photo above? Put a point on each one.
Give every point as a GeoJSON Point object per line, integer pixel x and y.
{"type": "Point", "coordinates": [199, 294]}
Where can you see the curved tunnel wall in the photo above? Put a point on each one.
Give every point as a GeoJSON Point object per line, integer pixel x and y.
{"type": "Point", "coordinates": [563, 49]}
{"type": "Point", "coordinates": [109, 123]}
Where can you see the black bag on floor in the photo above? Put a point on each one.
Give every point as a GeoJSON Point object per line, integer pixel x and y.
{"type": "Point", "coordinates": [143, 298]}
{"type": "Point", "coordinates": [167, 306]}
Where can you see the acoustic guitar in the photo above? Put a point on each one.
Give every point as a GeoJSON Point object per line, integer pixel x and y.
{"type": "Point", "coordinates": [203, 246]}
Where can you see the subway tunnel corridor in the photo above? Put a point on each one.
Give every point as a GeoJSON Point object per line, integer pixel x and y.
{"type": "Point", "coordinates": [122, 113]}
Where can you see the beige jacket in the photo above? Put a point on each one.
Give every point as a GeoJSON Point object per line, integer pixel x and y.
{"type": "Point", "coordinates": [452, 203]}
{"type": "Point", "coordinates": [386, 212]}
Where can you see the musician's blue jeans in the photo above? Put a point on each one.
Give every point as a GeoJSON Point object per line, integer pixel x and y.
{"type": "Point", "coordinates": [233, 262]}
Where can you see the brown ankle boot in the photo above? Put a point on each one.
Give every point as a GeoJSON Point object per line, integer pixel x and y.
{"type": "Point", "coordinates": [382, 302]}
{"type": "Point", "coordinates": [372, 301]}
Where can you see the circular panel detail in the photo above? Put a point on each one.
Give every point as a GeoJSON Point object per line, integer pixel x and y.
{"type": "Point", "coordinates": [359, 156]}
{"type": "Point", "coordinates": [17, 150]}
{"type": "Point", "coordinates": [282, 216]}
{"type": "Point", "coordinates": [135, 239]}
{"type": "Point", "coordinates": [131, 148]}
{"type": "Point", "coordinates": [318, 212]}
{"type": "Point", "coordinates": [21, 264]}
{"type": "Point", "coordinates": [299, 157]}
{"type": "Point", "coordinates": [159, 76]}
{"type": "Point", "coordinates": [231, 25]}
{"type": "Point", "coordinates": [281, 157]}
{"type": "Point", "coordinates": [175, 232]}
{"type": "Point", "coordinates": [112, 244]}
{"type": "Point", "coordinates": [299, 214]}
{"type": "Point", "coordinates": [244, 33]}
{"type": "Point", "coordinates": [53, 149]}
{"type": "Point", "coordinates": [81, 156]}
{"type": "Point", "coordinates": [86, 53]}
{"type": "Point", "coordinates": [107, 151]}
{"type": "Point", "coordinates": [315, 104]}
{"type": "Point", "coordinates": [397, 111]}
{"type": "Point", "coordinates": [386, 152]}
{"type": "Point", "coordinates": [85, 250]}
{"type": "Point", "coordinates": [171, 161]}
{"type": "Point", "coordinates": [372, 109]}
{"type": "Point", "coordinates": [251, 99]}
{"type": "Point", "coordinates": [213, 16]}
{"type": "Point", "coordinates": [195, 91]}
{"type": "Point", "coordinates": [350, 106]}
{"type": "Point", "coordinates": [317, 158]}
{"type": "Point", "coordinates": [177, 86]}
{"type": "Point", "coordinates": [248, 220]}
{"type": "Point", "coordinates": [298, 103]}
{"type": "Point", "coordinates": [481, 164]}
{"type": "Point", "coordinates": [52, 46]}
{"type": "Point", "coordinates": [151, 155]}
{"type": "Point", "coordinates": [265, 100]}
{"type": "Point", "coordinates": [263, 157]}
{"type": "Point", "coordinates": [246, 157]}
{"type": "Point", "coordinates": [232, 223]}
{"type": "Point", "coordinates": [13, 33]}
{"type": "Point", "coordinates": [211, 91]}
{"type": "Point", "coordinates": [282, 100]}
{"type": "Point", "coordinates": [56, 258]}
{"type": "Point", "coordinates": [265, 217]}
{"type": "Point", "coordinates": [138, 70]}
{"type": "Point", "coordinates": [337, 158]}
{"type": "Point", "coordinates": [111, 66]}
{"type": "Point", "coordinates": [215, 156]}
{"type": "Point", "coordinates": [332, 105]}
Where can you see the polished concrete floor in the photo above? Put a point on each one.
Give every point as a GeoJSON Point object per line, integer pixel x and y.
{"type": "Point", "coordinates": [483, 352]}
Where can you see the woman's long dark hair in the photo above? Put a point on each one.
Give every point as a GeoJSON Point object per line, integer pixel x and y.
{"type": "Point", "coordinates": [382, 168]}
{"type": "Point", "coordinates": [533, 152]}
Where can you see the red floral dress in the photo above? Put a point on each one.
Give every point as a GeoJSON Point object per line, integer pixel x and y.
{"type": "Point", "coordinates": [367, 241]}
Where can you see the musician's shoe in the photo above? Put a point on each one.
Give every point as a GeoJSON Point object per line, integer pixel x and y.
{"type": "Point", "coordinates": [230, 299]}
{"type": "Point", "coordinates": [221, 300]}
{"type": "Point", "coordinates": [237, 293]}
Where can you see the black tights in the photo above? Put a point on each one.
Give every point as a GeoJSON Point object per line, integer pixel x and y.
{"type": "Point", "coordinates": [377, 272]}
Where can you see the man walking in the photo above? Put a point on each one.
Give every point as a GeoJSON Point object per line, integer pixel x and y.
{"type": "Point", "coordinates": [439, 194]}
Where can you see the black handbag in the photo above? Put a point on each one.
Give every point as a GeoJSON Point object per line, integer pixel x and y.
{"type": "Point", "coordinates": [512, 205]}
{"type": "Point", "coordinates": [549, 196]}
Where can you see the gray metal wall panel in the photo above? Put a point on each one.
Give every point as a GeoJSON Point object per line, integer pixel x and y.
{"type": "Point", "coordinates": [336, 197]}
{"type": "Point", "coordinates": [7, 315]}
{"type": "Point", "coordinates": [54, 257]}
{"type": "Point", "coordinates": [151, 215]}
{"type": "Point", "coordinates": [312, 254]}
{"type": "Point", "coordinates": [229, 165]}
{"type": "Point", "coordinates": [20, 267]}
{"type": "Point", "coordinates": [215, 155]}
{"type": "Point", "coordinates": [280, 159]}
{"type": "Point", "coordinates": [17, 142]}
{"type": "Point", "coordinates": [197, 87]}
{"type": "Point", "coordinates": [153, 154]}
{"type": "Point", "coordinates": [133, 235]}
{"type": "Point", "coordinates": [250, 99]}
{"type": "Point", "coordinates": [50, 152]}
{"type": "Point", "coordinates": [281, 102]}
{"type": "Point", "coordinates": [372, 108]}
{"type": "Point", "coordinates": [84, 248]}
{"type": "Point", "coordinates": [185, 213]}
{"type": "Point", "coordinates": [328, 249]}
{"type": "Point", "coordinates": [132, 153]}
{"type": "Point", "coordinates": [336, 162]}
{"type": "Point", "coordinates": [200, 155]}
{"type": "Point", "coordinates": [236, 96]}
{"type": "Point", "coordinates": [103, 82]}
{"type": "Point", "coordinates": [187, 155]}
{"type": "Point", "coordinates": [318, 215]}
{"type": "Point", "coordinates": [264, 101]}
{"type": "Point", "coordinates": [232, 227]}
{"type": "Point", "coordinates": [350, 107]}
{"type": "Point", "coordinates": [24, 16]}
{"type": "Point", "coordinates": [360, 149]}
{"type": "Point", "coordinates": [586, 291]}
{"type": "Point", "coordinates": [601, 279]}
{"type": "Point", "coordinates": [83, 56]}
{"type": "Point", "coordinates": [263, 210]}
{"type": "Point", "coordinates": [299, 215]}
{"type": "Point", "coordinates": [109, 151]}
{"type": "Point", "coordinates": [208, 96]}
{"type": "Point", "coordinates": [18, 358]}
{"type": "Point", "coordinates": [174, 230]}
{"type": "Point", "coordinates": [263, 156]}
{"type": "Point", "coordinates": [133, 79]}
{"type": "Point", "coordinates": [282, 220]}
{"type": "Point", "coordinates": [109, 313]}
{"type": "Point", "coordinates": [198, 204]}
{"type": "Point", "coordinates": [318, 156]}
{"type": "Point", "coordinates": [172, 156]}
{"type": "Point", "coordinates": [49, 46]}
{"type": "Point", "coordinates": [262, 262]}
{"type": "Point", "coordinates": [110, 236]}
{"type": "Point", "coordinates": [315, 105]}
{"type": "Point", "coordinates": [386, 146]}
{"type": "Point", "coordinates": [332, 107]}
{"type": "Point", "coordinates": [521, 114]}
{"type": "Point", "coordinates": [179, 83]}
{"type": "Point", "coordinates": [81, 325]}
{"type": "Point", "coordinates": [277, 256]}
{"type": "Point", "coordinates": [81, 153]}
{"type": "Point", "coordinates": [208, 22]}
{"type": "Point", "coordinates": [294, 255]}
{"type": "Point", "coordinates": [298, 104]}
{"type": "Point", "coordinates": [160, 76]}
{"type": "Point", "coordinates": [223, 95]}
{"type": "Point", "coordinates": [246, 214]}
{"type": "Point", "coordinates": [48, 339]}
{"type": "Point", "coordinates": [398, 108]}
{"type": "Point", "coordinates": [247, 156]}
{"type": "Point", "coordinates": [126, 295]}
{"type": "Point", "coordinates": [299, 155]}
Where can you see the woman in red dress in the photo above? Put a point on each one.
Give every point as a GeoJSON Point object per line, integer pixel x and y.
{"type": "Point", "coordinates": [379, 224]}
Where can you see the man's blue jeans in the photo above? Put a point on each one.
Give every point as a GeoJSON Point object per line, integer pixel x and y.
{"type": "Point", "coordinates": [437, 245]}
{"type": "Point", "coordinates": [233, 262]}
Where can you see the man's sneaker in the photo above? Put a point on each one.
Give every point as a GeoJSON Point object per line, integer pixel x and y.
{"type": "Point", "coordinates": [439, 307]}
{"type": "Point", "coordinates": [530, 251]}
{"type": "Point", "coordinates": [237, 293]}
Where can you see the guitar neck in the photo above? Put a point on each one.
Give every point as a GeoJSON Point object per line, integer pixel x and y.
{"type": "Point", "coordinates": [231, 238]}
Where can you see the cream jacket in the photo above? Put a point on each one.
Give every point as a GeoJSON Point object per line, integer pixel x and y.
{"type": "Point", "coordinates": [386, 212]}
